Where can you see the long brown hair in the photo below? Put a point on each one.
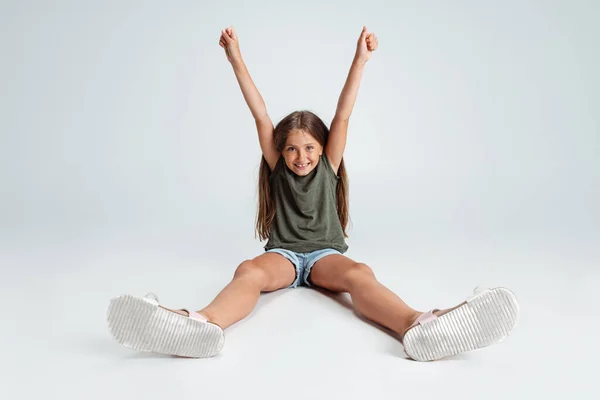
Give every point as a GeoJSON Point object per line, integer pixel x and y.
{"type": "Point", "coordinates": [309, 122]}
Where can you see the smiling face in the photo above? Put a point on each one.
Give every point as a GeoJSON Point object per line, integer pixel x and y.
{"type": "Point", "coordinates": [301, 152]}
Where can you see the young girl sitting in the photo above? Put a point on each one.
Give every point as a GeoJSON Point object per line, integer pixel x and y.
{"type": "Point", "coordinates": [303, 212]}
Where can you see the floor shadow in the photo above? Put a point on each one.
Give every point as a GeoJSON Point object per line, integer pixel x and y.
{"type": "Point", "coordinates": [112, 349]}
{"type": "Point", "coordinates": [264, 299]}
{"type": "Point", "coordinates": [344, 300]}
{"type": "Point", "coordinates": [340, 298]}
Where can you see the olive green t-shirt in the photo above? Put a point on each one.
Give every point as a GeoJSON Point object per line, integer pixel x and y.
{"type": "Point", "coordinates": [305, 209]}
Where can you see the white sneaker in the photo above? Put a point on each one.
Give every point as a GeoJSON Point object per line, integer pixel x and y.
{"type": "Point", "coordinates": [485, 319]}
{"type": "Point", "coordinates": [141, 324]}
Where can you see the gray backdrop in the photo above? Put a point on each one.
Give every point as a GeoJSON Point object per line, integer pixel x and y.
{"type": "Point", "coordinates": [129, 163]}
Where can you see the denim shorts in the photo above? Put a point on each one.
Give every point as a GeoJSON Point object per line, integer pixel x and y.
{"type": "Point", "coordinates": [303, 262]}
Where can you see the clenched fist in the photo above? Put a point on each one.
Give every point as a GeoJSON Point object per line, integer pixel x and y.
{"type": "Point", "coordinates": [367, 43]}
{"type": "Point", "coordinates": [229, 41]}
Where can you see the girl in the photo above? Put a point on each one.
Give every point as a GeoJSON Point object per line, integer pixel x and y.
{"type": "Point", "coordinates": [303, 213]}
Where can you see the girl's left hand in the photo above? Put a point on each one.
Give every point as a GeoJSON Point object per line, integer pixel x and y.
{"type": "Point", "coordinates": [367, 43]}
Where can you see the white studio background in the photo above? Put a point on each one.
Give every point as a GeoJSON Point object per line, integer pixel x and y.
{"type": "Point", "coordinates": [129, 163]}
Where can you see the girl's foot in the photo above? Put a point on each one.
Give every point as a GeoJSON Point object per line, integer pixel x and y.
{"type": "Point", "coordinates": [437, 312]}
{"type": "Point", "coordinates": [142, 324]}
{"type": "Point", "coordinates": [481, 321]}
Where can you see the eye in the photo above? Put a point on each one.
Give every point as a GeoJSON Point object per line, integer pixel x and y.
{"type": "Point", "coordinates": [290, 148]}
{"type": "Point", "coordinates": [310, 147]}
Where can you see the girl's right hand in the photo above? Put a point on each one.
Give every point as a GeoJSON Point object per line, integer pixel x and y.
{"type": "Point", "coordinates": [229, 41]}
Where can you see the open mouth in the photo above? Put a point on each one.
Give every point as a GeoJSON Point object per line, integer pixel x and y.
{"type": "Point", "coordinates": [302, 166]}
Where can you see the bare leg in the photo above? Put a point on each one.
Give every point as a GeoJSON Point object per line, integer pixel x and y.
{"type": "Point", "coordinates": [370, 298]}
{"type": "Point", "coordinates": [264, 273]}
{"type": "Point", "coordinates": [379, 304]}
{"type": "Point", "coordinates": [235, 302]}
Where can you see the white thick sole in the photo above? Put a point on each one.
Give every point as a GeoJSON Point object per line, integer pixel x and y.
{"type": "Point", "coordinates": [484, 320]}
{"type": "Point", "coordinates": [142, 325]}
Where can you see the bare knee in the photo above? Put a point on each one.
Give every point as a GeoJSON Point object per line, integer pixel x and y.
{"type": "Point", "coordinates": [358, 273]}
{"type": "Point", "coordinates": [251, 271]}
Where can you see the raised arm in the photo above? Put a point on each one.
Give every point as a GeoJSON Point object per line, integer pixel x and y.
{"type": "Point", "coordinates": [229, 41]}
{"type": "Point", "coordinates": [367, 43]}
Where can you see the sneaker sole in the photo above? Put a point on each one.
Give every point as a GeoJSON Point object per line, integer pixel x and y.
{"type": "Point", "coordinates": [141, 325]}
{"type": "Point", "coordinates": [484, 320]}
